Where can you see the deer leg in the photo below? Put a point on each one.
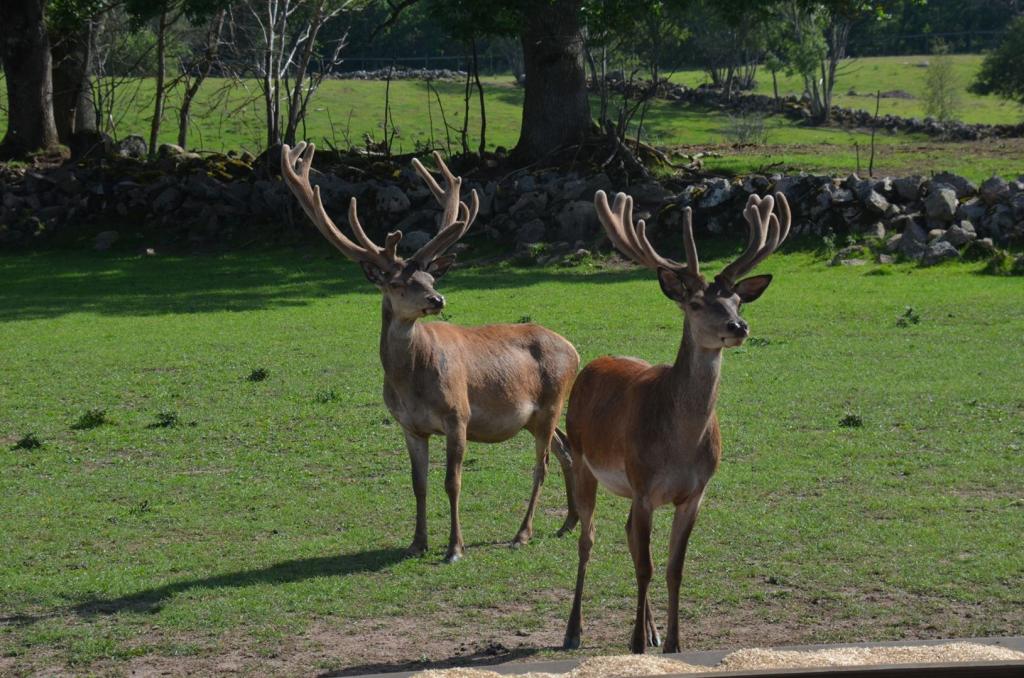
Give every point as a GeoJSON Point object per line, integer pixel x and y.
{"type": "Point", "coordinates": [560, 444]}
{"type": "Point", "coordinates": [542, 441]}
{"type": "Point", "coordinates": [419, 456]}
{"type": "Point", "coordinates": [640, 524]}
{"type": "Point", "coordinates": [682, 525]}
{"type": "Point", "coordinates": [585, 498]}
{"type": "Point", "coordinates": [653, 638]}
{"type": "Point", "coordinates": [456, 449]}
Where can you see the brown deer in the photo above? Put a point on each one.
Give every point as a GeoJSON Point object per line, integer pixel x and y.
{"type": "Point", "coordinates": [650, 433]}
{"type": "Point", "coordinates": [482, 384]}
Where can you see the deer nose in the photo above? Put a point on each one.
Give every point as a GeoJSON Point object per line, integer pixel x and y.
{"type": "Point", "coordinates": [436, 300]}
{"type": "Point", "coordinates": [738, 327]}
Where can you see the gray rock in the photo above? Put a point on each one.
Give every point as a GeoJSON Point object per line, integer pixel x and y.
{"type": "Point", "coordinates": [529, 206]}
{"type": "Point", "coordinates": [392, 200]}
{"type": "Point", "coordinates": [413, 240]}
{"type": "Point", "coordinates": [936, 233]}
{"type": "Point", "coordinates": [875, 202]}
{"type": "Point", "coordinates": [105, 240]}
{"type": "Point", "coordinates": [718, 192]}
{"type": "Point", "coordinates": [526, 183]}
{"type": "Point", "coordinates": [756, 183]}
{"type": "Point", "coordinates": [940, 203]}
{"type": "Point", "coordinates": [573, 189]}
{"type": "Point", "coordinates": [964, 187]}
{"type": "Point", "coordinates": [972, 210]}
{"type": "Point", "coordinates": [912, 248]}
{"type": "Point", "coordinates": [850, 256]}
{"type": "Point", "coordinates": [132, 146]}
{"type": "Point", "coordinates": [577, 220]}
{"type": "Point", "coordinates": [999, 222]}
{"type": "Point", "coordinates": [938, 252]}
{"type": "Point", "coordinates": [960, 234]}
{"type": "Point", "coordinates": [532, 231]}
{"type": "Point", "coordinates": [649, 192]}
{"type": "Point", "coordinates": [885, 259]}
{"type": "Point", "coordinates": [874, 230]}
{"type": "Point", "coordinates": [908, 225]}
{"type": "Point", "coordinates": [168, 200]}
{"type": "Point", "coordinates": [994, 190]}
{"type": "Point", "coordinates": [170, 151]}
{"type": "Point", "coordinates": [908, 188]}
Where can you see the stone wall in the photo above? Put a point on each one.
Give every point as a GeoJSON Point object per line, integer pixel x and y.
{"type": "Point", "coordinates": [798, 109]}
{"type": "Point", "coordinates": [184, 201]}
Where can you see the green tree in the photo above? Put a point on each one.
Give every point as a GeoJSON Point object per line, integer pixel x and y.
{"type": "Point", "coordinates": [1002, 71]}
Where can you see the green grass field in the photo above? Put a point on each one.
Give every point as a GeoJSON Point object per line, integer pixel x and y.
{"type": "Point", "coordinates": [346, 110]}
{"type": "Point", "coordinates": [218, 524]}
{"type": "Point", "coordinates": [907, 73]}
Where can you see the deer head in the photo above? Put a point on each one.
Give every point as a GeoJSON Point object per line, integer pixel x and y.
{"type": "Point", "coordinates": [712, 310]}
{"type": "Point", "coordinates": [407, 283]}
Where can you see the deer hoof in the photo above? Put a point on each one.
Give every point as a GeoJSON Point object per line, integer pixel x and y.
{"type": "Point", "coordinates": [415, 549]}
{"type": "Point", "coordinates": [453, 555]}
{"type": "Point", "coordinates": [521, 539]}
{"type": "Point", "coordinates": [653, 639]}
{"type": "Point", "coordinates": [567, 526]}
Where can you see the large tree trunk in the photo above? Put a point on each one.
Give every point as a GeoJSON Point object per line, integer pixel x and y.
{"type": "Point", "coordinates": [73, 108]}
{"type": "Point", "coordinates": [556, 112]}
{"type": "Point", "coordinates": [25, 53]}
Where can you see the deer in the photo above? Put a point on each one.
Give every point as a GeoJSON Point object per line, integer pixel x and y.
{"type": "Point", "coordinates": [480, 384]}
{"type": "Point", "coordinates": [649, 433]}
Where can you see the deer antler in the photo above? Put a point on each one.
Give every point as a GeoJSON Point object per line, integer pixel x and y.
{"type": "Point", "coordinates": [457, 217]}
{"type": "Point", "coordinates": [295, 165]}
{"type": "Point", "coordinates": [631, 239]}
{"type": "Point", "coordinates": [766, 233]}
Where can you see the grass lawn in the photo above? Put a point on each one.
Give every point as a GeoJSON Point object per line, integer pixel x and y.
{"type": "Point", "coordinates": [346, 110]}
{"type": "Point", "coordinates": [859, 79]}
{"type": "Point", "coordinates": [216, 523]}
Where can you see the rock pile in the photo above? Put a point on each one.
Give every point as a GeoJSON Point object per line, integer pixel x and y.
{"type": "Point", "coordinates": [182, 200]}
{"type": "Point", "coordinates": [402, 74]}
{"type": "Point", "coordinates": [799, 109]}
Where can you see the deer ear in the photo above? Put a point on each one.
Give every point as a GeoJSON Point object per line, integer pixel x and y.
{"type": "Point", "coordinates": [373, 273]}
{"type": "Point", "coordinates": [438, 267]}
{"type": "Point", "coordinates": [673, 286]}
{"type": "Point", "coordinates": [750, 289]}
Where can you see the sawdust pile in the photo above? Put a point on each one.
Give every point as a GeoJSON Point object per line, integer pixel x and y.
{"type": "Point", "coordinates": [758, 658]}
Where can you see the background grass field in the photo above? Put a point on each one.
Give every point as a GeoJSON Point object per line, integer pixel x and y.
{"type": "Point", "coordinates": [263, 531]}
{"type": "Point", "coordinates": [346, 110]}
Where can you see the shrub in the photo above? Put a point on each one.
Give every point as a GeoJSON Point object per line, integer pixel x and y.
{"type": "Point", "coordinates": [259, 374]}
{"type": "Point", "coordinates": [942, 88]}
{"type": "Point", "coordinates": [746, 129]}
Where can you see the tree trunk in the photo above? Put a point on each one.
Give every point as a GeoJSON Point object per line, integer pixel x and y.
{"type": "Point", "coordinates": [73, 108]}
{"type": "Point", "coordinates": [556, 111]}
{"type": "Point", "coordinates": [161, 72]}
{"type": "Point", "coordinates": [202, 71]}
{"type": "Point", "coordinates": [25, 53]}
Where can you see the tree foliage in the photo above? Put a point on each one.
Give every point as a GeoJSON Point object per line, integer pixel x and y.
{"type": "Point", "coordinates": [1002, 71]}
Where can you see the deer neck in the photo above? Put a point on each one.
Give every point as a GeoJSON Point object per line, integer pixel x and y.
{"type": "Point", "coordinates": [399, 341]}
{"type": "Point", "coordinates": [694, 377]}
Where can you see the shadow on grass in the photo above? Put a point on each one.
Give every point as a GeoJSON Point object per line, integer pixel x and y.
{"type": "Point", "coordinates": [287, 572]}
{"type": "Point", "coordinates": [53, 284]}
{"type": "Point", "coordinates": [489, 656]}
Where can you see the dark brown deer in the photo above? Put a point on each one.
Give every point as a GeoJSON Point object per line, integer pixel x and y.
{"type": "Point", "coordinates": [483, 384]}
{"type": "Point", "coordinates": [650, 433]}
